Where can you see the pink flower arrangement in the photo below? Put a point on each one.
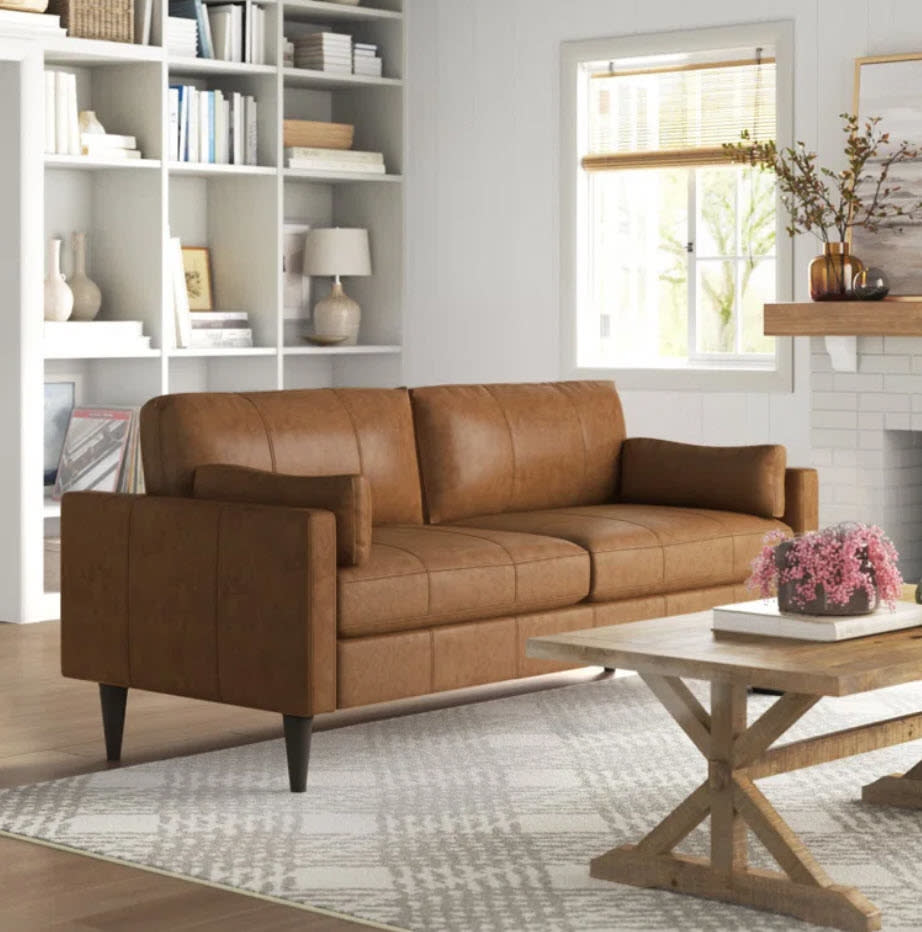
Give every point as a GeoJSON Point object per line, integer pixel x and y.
{"type": "Point", "coordinates": [841, 559]}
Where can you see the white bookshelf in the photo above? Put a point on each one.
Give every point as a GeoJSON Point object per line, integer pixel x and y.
{"type": "Point", "coordinates": [130, 208]}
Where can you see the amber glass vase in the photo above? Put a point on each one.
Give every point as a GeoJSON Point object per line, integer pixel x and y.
{"type": "Point", "coordinates": [832, 274]}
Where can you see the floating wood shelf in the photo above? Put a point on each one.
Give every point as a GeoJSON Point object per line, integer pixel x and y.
{"type": "Point", "coordinates": [898, 317]}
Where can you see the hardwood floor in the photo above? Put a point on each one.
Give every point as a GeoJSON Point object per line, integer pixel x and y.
{"type": "Point", "coordinates": [50, 727]}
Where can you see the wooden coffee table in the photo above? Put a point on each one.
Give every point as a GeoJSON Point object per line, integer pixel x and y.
{"type": "Point", "coordinates": [663, 651]}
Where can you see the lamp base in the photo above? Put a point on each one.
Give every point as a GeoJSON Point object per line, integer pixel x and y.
{"type": "Point", "coordinates": [337, 318]}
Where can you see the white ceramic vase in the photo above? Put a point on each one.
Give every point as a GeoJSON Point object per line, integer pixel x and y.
{"type": "Point", "coordinates": [87, 296]}
{"type": "Point", "coordinates": [59, 299]}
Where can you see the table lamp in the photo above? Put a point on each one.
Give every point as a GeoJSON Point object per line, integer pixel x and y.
{"type": "Point", "coordinates": [336, 252]}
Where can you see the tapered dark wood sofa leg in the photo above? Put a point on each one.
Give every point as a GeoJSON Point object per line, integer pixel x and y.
{"type": "Point", "coordinates": [113, 700]}
{"type": "Point", "coordinates": [609, 670]}
{"type": "Point", "coordinates": [298, 747]}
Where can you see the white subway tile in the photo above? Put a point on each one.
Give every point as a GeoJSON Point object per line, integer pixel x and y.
{"type": "Point", "coordinates": [898, 421]}
{"type": "Point", "coordinates": [872, 345]}
{"type": "Point", "coordinates": [872, 420]}
{"type": "Point", "coordinates": [844, 457]}
{"type": "Point", "coordinates": [870, 440]}
{"type": "Point", "coordinates": [822, 381]}
{"type": "Point", "coordinates": [910, 345]}
{"type": "Point", "coordinates": [834, 439]}
{"type": "Point", "coordinates": [845, 420]}
{"type": "Point", "coordinates": [866, 382]}
{"type": "Point", "coordinates": [819, 362]}
{"type": "Point", "coordinates": [883, 401]}
{"type": "Point", "coordinates": [903, 383]}
{"type": "Point", "coordinates": [836, 401]}
{"type": "Point", "coordinates": [884, 363]}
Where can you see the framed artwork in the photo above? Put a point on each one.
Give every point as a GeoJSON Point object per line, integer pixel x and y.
{"type": "Point", "coordinates": [888, 87]}
{"type": "Point", "coordinates": [62, 394]}
{"type": "Point", "coordinates": [196, 261]}
{"type": "Point", "coordinates": [296, 285]}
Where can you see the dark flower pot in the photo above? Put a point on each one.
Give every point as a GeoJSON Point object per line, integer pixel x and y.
{"type": "Point", "coordinates": [859, 603]}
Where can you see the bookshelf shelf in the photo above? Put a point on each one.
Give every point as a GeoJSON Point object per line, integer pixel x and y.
{"type": "Point", "coordinates": [325, 177]}
{"type": "Point", "coordinates": [209, 168]}
{"type": "Point", "coordinates": [326, 80]}
{"type": "Point", "coordinates": [110, 354]}
{"type": "Point", "coordinates": [69, 51]}
{"type": "Point", "coordinates": [86, 163]}
{"type": "Point", "coordinates": [219, 352]}
{"type": "Point", "coordinates": [322, 11]}
{"type": "Point", "coordinates": [366, 350]}
{"type": "Point", "coordinates": [180, 67]}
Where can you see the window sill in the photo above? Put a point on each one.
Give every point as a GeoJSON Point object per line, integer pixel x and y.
{"type": "Point", "coordinates": [690, 377]}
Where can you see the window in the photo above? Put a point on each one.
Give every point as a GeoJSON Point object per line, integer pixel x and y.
{"type": "Point", "coordinates": [676, 248]}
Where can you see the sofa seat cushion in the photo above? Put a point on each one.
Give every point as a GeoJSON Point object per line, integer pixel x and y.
{"type": "Point", "coordinates": [648, 549]}
{"type": "Point", "coordinates": [418, 576]}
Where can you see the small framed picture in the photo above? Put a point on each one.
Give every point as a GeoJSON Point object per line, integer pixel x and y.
{"type": "Point", "coordinates": [62, 395]}
{"type": "Point", "coordinates": [196, 262]}
{"type": "Point", "coordinates": [297, 285]}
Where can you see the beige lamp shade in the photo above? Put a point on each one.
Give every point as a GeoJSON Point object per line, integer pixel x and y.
{"type": "Point", "coordinates": [337, 251]}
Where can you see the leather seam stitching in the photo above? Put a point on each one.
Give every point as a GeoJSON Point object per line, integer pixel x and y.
{"type": "Point", "coordinates": [478, 566]}
{"type": "Point", "coordinates": [512, 561]}
{"type": "Point", "coordinates": [515, 465]}
{"type": "Point", "coordinates": [262, 420]}
{"type": "Point", "coordinates": [582, 432]}
{"type": "Point", "coordinates": [355, 430]}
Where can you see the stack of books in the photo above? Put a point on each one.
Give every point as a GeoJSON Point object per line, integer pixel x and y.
{"type": "Point", "coordinates": [212, 126]}
{"type": "Point", "coordinates": [335, 160]}
{"type": "Point", "coordinates": [217, 329]}
{"type": "Point", "coordinates": [181, 37]}
{"type": "Point", "coordinates": [94, 337]}
{"type": "Point", "coordinates": [109, 146]}
{"type": "Point", "coordinates": [237, 31]}
{"type": "Point", "coordinates": [21, 24]}
{"type": "Point", "coordinates": [62, 128]}
{"type": "Point", "coordinates": [365, 60]}
{"type": "Point", "coordinates": [324, 51]}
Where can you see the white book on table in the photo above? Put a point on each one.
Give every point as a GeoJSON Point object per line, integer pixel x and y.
{"type": "Point", "coordinates": [61, 123]}
{"type": "Point", "coordinates": [762, 617]}
{"type": "Point", "coordinates": [49, 113]}
{"type": "Point", "coordinates": [226, 337]}
{"type": "Point", "coordinates": [99, 142]}
{"type": "Point", "coordinates": [173, 139]}
{"type": "Point", "coordinates": [73, 117]}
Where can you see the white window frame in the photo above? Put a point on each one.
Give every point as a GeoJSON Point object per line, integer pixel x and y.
{"type": "Point", "coordinates": [733, 374]}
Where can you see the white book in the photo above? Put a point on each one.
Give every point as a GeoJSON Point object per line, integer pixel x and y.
{"type": "Point", "coordinates": [194, 110]}
{"type": "Point", "coordinates": [49, 113]}
{"type": "Point", "coordinates": [114, 155]}
{"type": "Point", "coordinates": [251, 144]}
{"type": "Point", "coordinates": [221, 19]}
{"type": "Point", "coordinates": [36, 21]}
{"type": "Point", "coordinates": [220, 129]}
{"type": "Point", "coordinates": [331, 165]}
{"type": "Point", "coordinates": [61, 123]}
{"type": "Point", "coordinates": [100, 141]}
{"type": "Point", "coordinates": [340, 155]}
{"type": "Point", "coordinates": [238, 133]}
{"type": "Point", "coordinates": [173, 138]}
{"type": "Point", "coordinates": [207, 338]}
{"type": "Point", "coordinates": [204, 126]}
{"type": "Point", "coordinates": [142, 21]}
{"type": "Point", "coordinates": [73, 117]}
{"type": "Point", "coordinates": [180, 295]}
{"type": "Point", "coordinates": [237, 39]}
{"type": "Point", "coordinates": [105, 330]}
{"type": "Point", "coordinates": [762, 617]}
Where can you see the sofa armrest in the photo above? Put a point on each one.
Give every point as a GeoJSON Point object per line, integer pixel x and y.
{"type": "Point", "coordinates": [748, 479]}
{"type": "Point", "coordinates": [228, 602]}
{"type": "Point", "coordinates": [801, 500]}
{"type": "Point", "coordinates": [348, 497]}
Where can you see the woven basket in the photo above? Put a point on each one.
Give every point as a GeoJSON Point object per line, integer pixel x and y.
{"type": "Point", "coordinates": [96, 19]}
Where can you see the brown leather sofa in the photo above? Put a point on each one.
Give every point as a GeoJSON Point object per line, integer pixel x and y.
{"type": "Point", "coordinates": [306, 551]}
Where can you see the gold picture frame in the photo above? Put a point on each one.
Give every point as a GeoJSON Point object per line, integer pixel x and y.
{"type": "Point", "coordinates": [196, 261]}
{"type": "Point", "coordinates": [895, 252]}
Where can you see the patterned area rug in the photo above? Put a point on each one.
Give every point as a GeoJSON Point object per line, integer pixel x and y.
{"type": "Point", "coordinates": [482, 817]}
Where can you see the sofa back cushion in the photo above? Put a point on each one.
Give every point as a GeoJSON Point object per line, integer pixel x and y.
{"type": "Point", "coordinates": [489, 449]}
{"type": "Point", "coordinates": [314, 432]}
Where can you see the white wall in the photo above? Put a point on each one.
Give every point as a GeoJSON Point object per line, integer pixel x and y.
{"type": "Point", "coordinates": [482, 212]}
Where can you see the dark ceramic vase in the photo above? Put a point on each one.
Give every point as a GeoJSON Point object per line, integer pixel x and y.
{"type": "Point", "coordinates": [859, 603]}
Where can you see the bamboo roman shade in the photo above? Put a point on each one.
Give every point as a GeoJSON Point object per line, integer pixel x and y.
{"type": "Point", "coordinates": [666, 117]}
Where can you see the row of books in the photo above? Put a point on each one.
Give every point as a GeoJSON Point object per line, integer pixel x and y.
{"type": "Point", "coordinates": [101, 452]}
{"type": "Point", "coordinates": [336, 160]}
{"type": "Point", "coordinates": [333, 52]}
{"type": "Point", "coordinates": [231, 30]}
{"type": "Point", "coordinates": [203, 329]}
{"type": "Point", "coordinates": [212, 126]}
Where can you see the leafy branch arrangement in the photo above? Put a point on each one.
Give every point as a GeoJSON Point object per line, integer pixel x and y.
{"type": "Point", "coordinates": [827, 203]}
